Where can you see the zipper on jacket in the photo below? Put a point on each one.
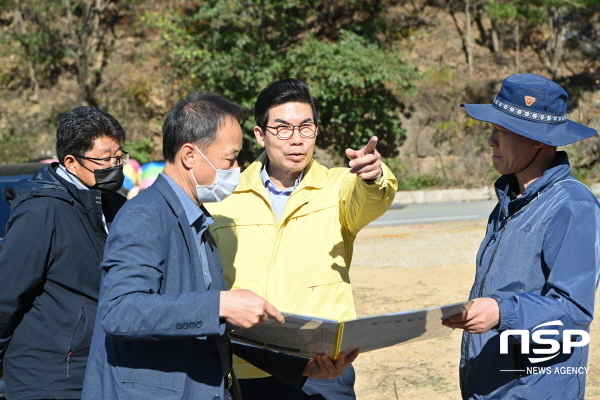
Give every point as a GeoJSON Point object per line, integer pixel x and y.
{"type": "Point", "coordinates": [279, 227]}
{"type": "Point", "coordinates": [492, 240]}
{"type": "Point", "coordinates": [500, 232]}
{"type": "Point", "coordinates": [68, 362]}
{"type": "Point", "coordinates": [72, 347]}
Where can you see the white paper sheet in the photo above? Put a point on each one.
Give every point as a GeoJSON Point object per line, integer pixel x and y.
{"type": "Point", "coordinates": [308, 336]}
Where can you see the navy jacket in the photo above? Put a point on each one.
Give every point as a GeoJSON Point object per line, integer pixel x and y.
{"type": "Point", "coordinates": [158, 333]}
{"type": "Point", "coordinates": [50, 279]}
{"type": "Point", "coordinates": [540, 260]}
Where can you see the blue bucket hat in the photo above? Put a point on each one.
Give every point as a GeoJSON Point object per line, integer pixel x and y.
{"type": "Point", "coordinates": [532, 106]}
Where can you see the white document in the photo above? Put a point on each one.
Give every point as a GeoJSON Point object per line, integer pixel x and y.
{"type": "Point", "coordinates": [308, 336]}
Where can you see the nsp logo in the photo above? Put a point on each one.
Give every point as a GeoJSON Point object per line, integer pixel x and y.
{"type": "Point", "coordinates": [568, 339]}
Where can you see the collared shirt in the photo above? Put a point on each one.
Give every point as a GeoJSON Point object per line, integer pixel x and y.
{"type": "Point", "coordinates": [199, 221]}
{"type": "Point", "coordinates": [69, 177]}
{"type": "Point", "coordinates": [277, 197]}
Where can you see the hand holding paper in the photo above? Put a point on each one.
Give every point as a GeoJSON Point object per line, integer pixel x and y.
{"type": "Point", "coordinates": [245, 309]}
{"type": "Point", "coordinates": [323, 367]}
{"type": "Point", "coordinates": [482, 316]}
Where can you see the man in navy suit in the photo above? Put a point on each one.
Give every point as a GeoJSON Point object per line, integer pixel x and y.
{"type": "Point", "coordinates": [160, 330]}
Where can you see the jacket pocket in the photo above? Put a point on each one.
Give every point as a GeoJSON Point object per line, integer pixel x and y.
{"type": "Point", "coordinates": [159, 369]}
{"type": "Point", "coordinates": [326, 293]}
{"type": "Point", "coordinates": [326, 275]}
{"type": "Point", "coordinates": [77, 336]}
{"type": "Point", "coordinates": [312, 281]}
{"type": "Point", "coordinates": [317, 207]}
{"type": "Point", "coordinates": [149, 383]}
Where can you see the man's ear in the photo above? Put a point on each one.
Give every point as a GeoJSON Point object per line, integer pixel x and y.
{"type": "Point", "coordinates": [259, 134]}
{"type": "Point", "coordinates": [71, 164]}
{"type": "Point", "coordinates": [187, 155]}
{"type": "Point", "coordinates": [538, 145]}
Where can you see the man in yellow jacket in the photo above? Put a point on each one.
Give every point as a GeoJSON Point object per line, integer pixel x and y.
{"type": "Point", "coordinates": [288, 229]}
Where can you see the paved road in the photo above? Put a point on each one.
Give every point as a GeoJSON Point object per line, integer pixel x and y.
{"type": "Point", "coordinates": [435, 212]}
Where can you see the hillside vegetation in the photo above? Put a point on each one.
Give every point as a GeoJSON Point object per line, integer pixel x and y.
{"type": "Point", "coordinates": [397, 69]}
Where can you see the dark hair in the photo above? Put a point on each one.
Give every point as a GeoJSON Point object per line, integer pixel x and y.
{"type": "Point", "coordinates": [196, 119]}
{"type": "Point", "coordinates": [79, 128]}
{"type": "Point", "coordinates": [287, 90]}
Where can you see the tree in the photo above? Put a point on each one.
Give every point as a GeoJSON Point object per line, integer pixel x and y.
{"type": "Point", "coordinates": [506, 14]}
{"type": "Point", "coordinates": [51, 37]}
{"type": "Point", "coordinates": [237, 48]}
{"type": "Point", "coordinates": [88, 42]}
{"type": "Point", "coordinates": [529, 18]}
{"type": "Point", "coordinates": [35, 43]}
{"type": "Point", "coordinates": [465, 34]}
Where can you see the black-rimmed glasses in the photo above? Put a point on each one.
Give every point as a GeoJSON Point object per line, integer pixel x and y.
{"type": "Point", "coordinates": [108, 161]}
{"type": "Point", "coordinates": [286, 131]}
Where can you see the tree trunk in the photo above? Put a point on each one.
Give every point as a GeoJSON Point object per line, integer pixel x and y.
{"type": "Point", "coordinates": [517, 48]}
{"type": "Point", "coordinates": [464, 34]}
{"type": "Point", "coordinates": [497, 47]}
{"type": "Point", "coordinates": [483, 33]}
{"type": "Point", "coordinates": [555, 43]}
{"type": "Point", "coordinates": [468, 47]}
{"type": "Point", "coordinates": [88, 47]}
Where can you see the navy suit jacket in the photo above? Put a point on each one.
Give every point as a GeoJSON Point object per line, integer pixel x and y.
{"type": "Point", "coordinates": [158, 333]}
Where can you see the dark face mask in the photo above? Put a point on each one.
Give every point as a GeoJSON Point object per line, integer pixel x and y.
{"type": "Point", "coordinates": [109, 179]}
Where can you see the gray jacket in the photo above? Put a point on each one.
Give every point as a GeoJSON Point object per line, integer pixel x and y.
{"type": "Point", "coordinates": [158, 333]}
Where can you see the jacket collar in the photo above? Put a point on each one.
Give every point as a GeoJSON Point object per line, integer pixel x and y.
{"type": "Point", "coordinates": [47, 183]}
{"type": "Point", "coordinates": [507, 184]}
{"type": "Point", "coordinates": [162, 185]}
{"type": "Point", "coordinates": [164, 188]}
{"type": "Point", "coordinates": [315, 176]}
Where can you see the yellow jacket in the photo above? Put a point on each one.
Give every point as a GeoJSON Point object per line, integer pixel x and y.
{"type": "Point", "coordinates": [301, 263]}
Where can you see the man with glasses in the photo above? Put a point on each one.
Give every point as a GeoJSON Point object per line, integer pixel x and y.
{"type": "Point", "coordinates": [50, 261]}
{"type": "Point", "coordinates": [164, 305]}
{"type": "Point", "coordinates": [287, 231]}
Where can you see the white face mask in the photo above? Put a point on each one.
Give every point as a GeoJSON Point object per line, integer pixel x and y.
{"type": "Point", "coordinates": [225, 183]}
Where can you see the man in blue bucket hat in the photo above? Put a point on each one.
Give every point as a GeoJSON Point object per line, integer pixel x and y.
{"type": "Point", "coordinates": [526, 336]}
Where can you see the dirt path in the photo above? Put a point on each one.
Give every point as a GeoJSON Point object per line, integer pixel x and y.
{"type": "Point", "coordinates": [410, 267]}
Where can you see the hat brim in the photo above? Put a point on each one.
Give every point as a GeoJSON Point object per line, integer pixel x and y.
{"type": "Point", "coordinates": [553, 134]}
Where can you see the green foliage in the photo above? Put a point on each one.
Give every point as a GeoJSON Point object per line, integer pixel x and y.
{"type": "Point", "coordinates": [14, 147]}
{"type": "Point", "coordinates": [52, 37]}
{"type": "Point", "coordinates": [348, 79]}
{"type": "Point", "coordinates": [140, 150]}
{"type": "Point", "coordinates": [236, 48]}
{"type": "Point", "coordinates": [36, 36]}
{"type": "Point", "coordinates": [421, 181]}
{"type": "Point", "coordinates": [398, 168]}
{"type": "Point", "coordinates": [445, 131]}
{"type": "Point", "coordinates": [408, 181]}
{"type": "Point", "coordinates": [522, 10]}
{"type": "Point", "coordinates": [440, 76]}
{"type": "Point", "coordinates": [501, 12]}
